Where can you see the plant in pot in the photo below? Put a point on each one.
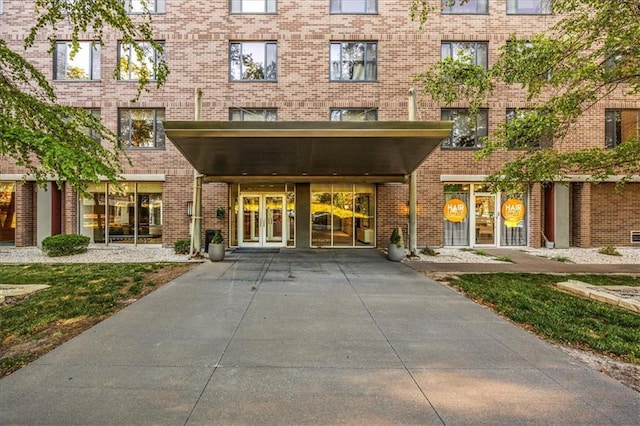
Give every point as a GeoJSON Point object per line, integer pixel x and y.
{"type": "Point", "coordinates": [216, 247]}
{"type": "Point", "coordinates": [395, 250]}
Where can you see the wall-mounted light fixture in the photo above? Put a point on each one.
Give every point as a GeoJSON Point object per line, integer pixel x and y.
{"type": "Point", "coordinates": [189, 208]}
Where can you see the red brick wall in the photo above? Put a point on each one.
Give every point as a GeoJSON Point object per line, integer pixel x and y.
{"type": "Point", "coordinates": [614, 214]}
{"type": "Point", "coordinates": [197, 36]}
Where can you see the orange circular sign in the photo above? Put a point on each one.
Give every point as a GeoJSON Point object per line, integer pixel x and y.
{"type": "Point", "coordinates": [455, 210]}
{"type": "Point", "coordinates": [513, 211]}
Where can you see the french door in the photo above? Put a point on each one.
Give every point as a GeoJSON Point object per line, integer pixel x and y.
{"type": "Point", "coordinates": [261, 220]}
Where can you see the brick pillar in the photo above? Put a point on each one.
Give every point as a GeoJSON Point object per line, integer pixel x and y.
{"type": "Point", "coordinates": [26, 214]}
{"type": "Point", "coordinates": [535, 218]}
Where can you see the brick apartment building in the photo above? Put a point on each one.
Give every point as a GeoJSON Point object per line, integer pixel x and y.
{"type": "Point", "coordinates": [306, 61]}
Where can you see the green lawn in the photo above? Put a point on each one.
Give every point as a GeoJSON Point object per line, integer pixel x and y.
{"type": "Point", "coordinates": [533, 301]}
{"type": "Point", "coordinates": [80, 296]}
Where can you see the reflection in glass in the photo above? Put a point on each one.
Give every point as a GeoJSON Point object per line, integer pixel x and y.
{"type": "Point", "coordinates": [92, 213]}
{"type": "Point", "coordinates": [485, 219]}
{"type": "Point", "coordinates": [7, 213]}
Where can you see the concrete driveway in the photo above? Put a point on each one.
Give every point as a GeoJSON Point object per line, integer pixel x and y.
{"type": "Point", "coordinates": [310, 337]}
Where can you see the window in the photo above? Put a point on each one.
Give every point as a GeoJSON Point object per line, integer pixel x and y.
{"type": "Point", "coordinates": [241, 114]}
{"type": "Point", "coordinates": [354, 6]}
{"type": "Point", "coordinates": [134, 67]}
{"type": "Point", "coordinates": [83, 65]}
{"type": "Point", "coordinates": [353, 61]}
{"type": "Point", "coordinates": [529, 7]}
{"type": "Point", "coordinates": [354, 114]}
{"type": "Point", "coordinates": [253, 6]}
{"type": "Point", "coordinates": [142, 6]}
{"type": "Point", "coordinates": [253, 61]}
{"type": "Point", "coordinates": [96, 113]}
{"type": "Point", "coordinates": [528, 131]}
{"type": "Point", "coordinates": [467, 132]}
{"type": "Point", "coordinates": [474, 52]}
{"type": "Point", "coordinates": [470, 7]}
{"type": "Point", "coordinates": [521, 50]}
{"type": "Point", "coordinates": [620, 125]}
{"type": "Point", "coordinates": [141, 128]}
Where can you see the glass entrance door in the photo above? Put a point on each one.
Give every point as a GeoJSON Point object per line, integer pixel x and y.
{"type": "Point", "coordinates": [261, 220]}
{"type": "Point", "coordinates": [485, 219]}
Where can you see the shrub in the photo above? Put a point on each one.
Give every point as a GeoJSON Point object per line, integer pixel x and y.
{"type": "Point", "coordinates": [217, 238]}
{"type": "Point", "coordinates": [182, 246]}
{"type": "Point", "coordinates": [396, 238]}
{"type": "Point", "coordinates": [65, 245]}
{"type": "Point", "coordinates": [610, 251]}
{"type": "Point", "coordinates": [429, 251]}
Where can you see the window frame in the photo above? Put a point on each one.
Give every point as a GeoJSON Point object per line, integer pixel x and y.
{"type": "Point", "coordinates": [94, 58]}
{"type": "Point", "coordinates": [620, 135]}
{"type": "Point", "coordinates": [158, 135]}
{"type": "Point", "coordinates": [154, 63]}
{"type": "Point", "coordinates": [365, 111]}
{"type": "Point", "coordinates": [448, 9]}
{"type": "Point", "coordinates": [255, 111]}
{"type": "Point", "coordinates": [270, 7]}
{"type": "Point", "coordinates": [266, 46]}
{"type": "Point", "coordinates": [540, 143]}
{"type": "Point", "coordinates": [452, 53]}
{"type": "Point", "coordinates": [483, 116]}
{"type": "Point", "coordinates": [511, 8]}
{"type": "Point", "coordinates": [159, 6]}
{"type": "Point", "coordinates": [366, 48]}
{"type": "Point", "coordinates": [336, 8]}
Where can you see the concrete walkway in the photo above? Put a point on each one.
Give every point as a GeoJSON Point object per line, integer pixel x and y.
{"type": "Point", "coordinates": [310, 337]}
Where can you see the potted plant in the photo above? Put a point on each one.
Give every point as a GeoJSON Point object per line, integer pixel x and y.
{"type": "Point", "coordinates": [395, 250]}
{"type": "Point", "coordinates": [216, 247]}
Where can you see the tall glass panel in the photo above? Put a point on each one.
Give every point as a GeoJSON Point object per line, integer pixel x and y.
{"type": "Point", "coordinates": [93, 213]}
{"type": "Point", "coordinates": [250, 219]}
{"type": "Point", "coordinates": [7, 213]}
{"type": "Point", "coordinates": [455, 215]}
{"type": "Point", "coordinates": [273, 212]}
{"type": "Point", "coordinates": [513, 224]}
{"type": "Point", "coordinates": [485, 219]}
{"type": "Point", "coordinates": [233, 218]}
{"type": "Point", "coordinates": [149, 208]}
{"type": "Point", "coordinates": [364, 203]}
{"type": "Point", "coordinates": [321, 215]}
{"type": "Point", "coordinates": [122, 215]}
{"type": "Point", "coordinates": [291, 215]}
{"type": "Point", "coordinates": [342, 215]}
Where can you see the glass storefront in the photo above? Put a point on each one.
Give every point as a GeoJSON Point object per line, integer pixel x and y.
{"type": "Point", "coordinates": [342, 215]}
{"type": "Point", "coordinates": [473, 216]}
{"type": "Point", "coordinates": [127, 213]}
{"type": "Point", "coordinates": [7, 213]}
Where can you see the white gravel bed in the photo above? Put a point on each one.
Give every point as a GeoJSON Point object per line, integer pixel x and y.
{"type": "Point", "coordinates": [95, 254]}
{"type": "Point", "coordinates": [573, 255]}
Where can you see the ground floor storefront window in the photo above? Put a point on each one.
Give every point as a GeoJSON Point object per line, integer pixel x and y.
{"type": "Point", "coordinates": [7, 213]}
{"type": "Point", "coordinates": [473, 216]}
{"type": "Point", "coordinates": [128, 213]}
{"type": "Point", "coordinates": [342, 215]}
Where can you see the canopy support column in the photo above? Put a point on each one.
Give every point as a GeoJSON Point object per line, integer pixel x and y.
{"type": "Point", "coordinates": [413, 183]}
{"type": "Point", "coordinates": [196, 217]}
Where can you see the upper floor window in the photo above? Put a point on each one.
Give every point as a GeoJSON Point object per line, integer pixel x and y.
{"type": "Point", "coordinates": [467, 132]}
{"type": "Point", "coordinates": [134, 66]}
{"type": "Point", "coordinates": [249, 61]}
{"type": "Point", "coordinates": [354, 6]}
{"type": "Point", "coordinates": [241, 114]}
{"type": "Point", "coordinates": [527, 131]}
{"type": "Point", "coordinates": [475, 52]}
{"type": "Point", "coordinates": [96, 113]}
{"type": "Point", "coordinates": [620, 125]}
{"type": "Point", "coordinates": [253, 6]}
{"type": "Point", "coordinates": [81, 65]}
{"type": "Point", "coordinates": [469, 7]}
{"type": "Point", "coordinates": [143, 6]}
{"type": "Point", "coordinates": [354, 114]}
{"type": "Point", "coordinates": [141, 128]}
{"type": "Point", "coordinates": [354, 61]}
{"type": "Point", "coordinates": [529, 7]}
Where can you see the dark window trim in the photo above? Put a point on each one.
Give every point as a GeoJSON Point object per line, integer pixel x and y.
{"type": "Point", "coordinates": [156, 57]}
{"type": "Point", "coordinates": [155, 135]}
{"type": "Point", "coordinates": [332, 11]}
{"type": "Point", "coordinates": [245, 110]}
{"type": "Point", "coordinates": [365, 42]}
{"type": "Point", "coordinates": [477, 137]}
{"type": "Point", "coordinates": [275, 12]}
{"type": "Point", "coordinates": [91, 63]}
{"type": "Point", "coordinates": [444, 10]}
{"type": "Point", "coordinates": [516, 12]}
{"type": "Point", "coordinates": [265, 43]}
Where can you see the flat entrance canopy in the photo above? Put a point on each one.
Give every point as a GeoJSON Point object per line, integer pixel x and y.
{"type": "Point", "coordinates": [306, 151]}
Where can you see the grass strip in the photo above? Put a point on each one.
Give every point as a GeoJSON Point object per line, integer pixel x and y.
{"type": "Point", "coordinates": [533, 301]}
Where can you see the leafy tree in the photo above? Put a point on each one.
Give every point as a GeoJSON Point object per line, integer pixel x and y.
{"type": "Point", "coordinates": [55, 141]}
{"type": "Point", "coordinates": [592, 51]}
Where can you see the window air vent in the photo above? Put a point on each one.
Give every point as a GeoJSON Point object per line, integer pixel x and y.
{"type": "Point", "coordinates": [635, 237]}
